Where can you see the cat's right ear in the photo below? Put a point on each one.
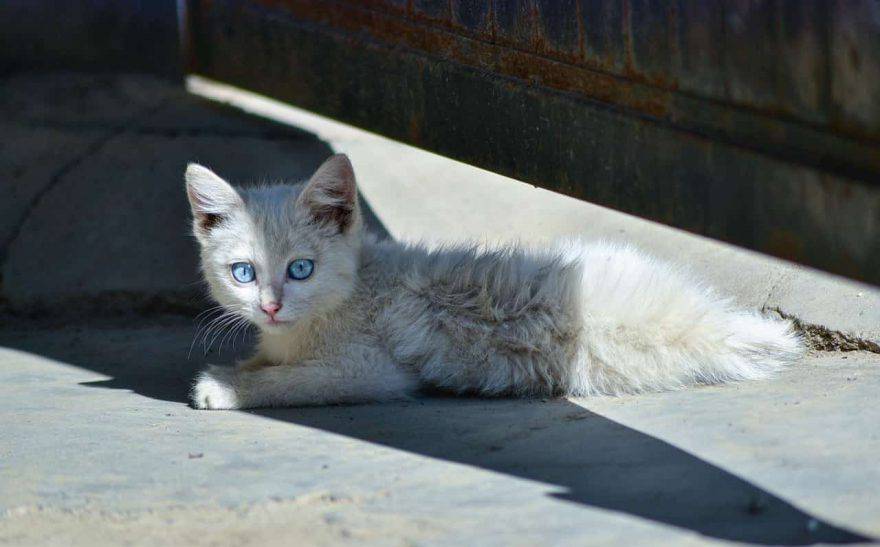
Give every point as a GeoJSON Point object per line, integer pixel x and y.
{"type": "Point", "coordinates": [210, 197]}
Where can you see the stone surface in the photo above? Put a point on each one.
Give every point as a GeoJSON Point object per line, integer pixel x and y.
{"type": "Point", "coordinates": [98, 442]}
{"type": "Point", "coordinates": [75, 99]}
{"type": "Point", "coordinates": [32, 159]}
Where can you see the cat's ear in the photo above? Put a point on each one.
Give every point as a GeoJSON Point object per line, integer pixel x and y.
{"type": "Point", "coordinates": [210, 197]}
{"type": "Point", "coordinates": [330, 196]}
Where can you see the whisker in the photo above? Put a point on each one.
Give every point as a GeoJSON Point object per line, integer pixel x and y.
{"type": "Point", "coordinates": [204, 317]}
{"type": "Point", "coordinates": [205, 313]}
{"type": "Point", "coordinates": [233, 332]}
{"type": "Point", "coordinates": [245, 326]}
{"type": "Point", "coordinates": [225, 321]}
{"type": "Point", "coordinates": [230, 329]}
{"type": "Point", "coordinates": [209, 328]}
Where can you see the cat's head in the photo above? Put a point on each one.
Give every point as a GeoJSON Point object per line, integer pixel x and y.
{"type": "Point", "coordinates": [278, 255]}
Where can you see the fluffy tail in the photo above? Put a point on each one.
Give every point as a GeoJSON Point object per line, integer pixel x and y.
{"type": "Point", "coordinates": [650, 327]}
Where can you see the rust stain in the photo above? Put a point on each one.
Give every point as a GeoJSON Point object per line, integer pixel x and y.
{"type": "Point", "coordinates": [626, 31]}
{"type": "Point", "coordinates": [368, 23]}
{"type": "Point", "coordinates": [785, 244]}
{"type": "Point", "coordinates": [534, 21]}
{"type": "Point", "coordinates": [582, 47]}
{"type": "Point", "coordinates": [672, 16]}
{"type": "Point", "coordinates": [394, 24]}
{"type": "Point", "coordinates": [444, 21]}
{"type": "Point", "coordinates": [493, 23]}
{"type": "Point", "coordinates": [414, 130]}
{"type": "Point", "coordinates": [357, 21]}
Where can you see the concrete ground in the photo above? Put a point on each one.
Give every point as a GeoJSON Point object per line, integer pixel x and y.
{"type": "Point", "coordinates": [97, 349]}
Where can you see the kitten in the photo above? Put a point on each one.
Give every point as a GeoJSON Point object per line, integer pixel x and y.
{"type": "Point", "coordinates": [344, 318]}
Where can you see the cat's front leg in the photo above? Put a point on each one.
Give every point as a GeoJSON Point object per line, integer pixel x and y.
{"type": "Point", "coordinates": [215, 389]}
{"type": "Point", "coordinates": [220, 388]}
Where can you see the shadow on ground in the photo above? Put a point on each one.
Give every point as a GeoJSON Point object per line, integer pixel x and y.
{"type": "Point", "coordinates": [592, 460]}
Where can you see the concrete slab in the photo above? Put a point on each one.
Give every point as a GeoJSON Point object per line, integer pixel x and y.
{"type": "Point", "coordinates": [97, 437]}
{"type": "Point", "coordinates": [190, 115]}
{"type": "Point", "coordinates": [71, 99]}
{"type": "Point", "coordinates": [137, 103]}
{"type": "Point", "coordinates": [31, 159]}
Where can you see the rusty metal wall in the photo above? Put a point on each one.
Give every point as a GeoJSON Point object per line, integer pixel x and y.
{"type": "Point", "coordinates": [755, 122]}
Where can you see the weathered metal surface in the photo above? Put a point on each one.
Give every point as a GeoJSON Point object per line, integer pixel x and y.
{"type": "Point", "coordinates": [730, 119]}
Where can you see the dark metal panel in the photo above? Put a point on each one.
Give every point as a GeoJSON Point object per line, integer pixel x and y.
{"type": "Point", "coordinates": [700, 25]}
{"type": "Point", "coordinates": [855, 66]}
{"type": "Point", "coordinates": [654, 31]}
{"type": "Point", "coordinates": [514, 23]}
{"type": "Point", "coordinates": [751, 49]}
{"type": "Point", "coordinates": [559, 30]}
{"type": "Point", "coordinates": [603, 25]}
{"type": "Point", "coordinates": [432, 9]}
{"type": "Point", "coordinates": [804, 58]}
{"type": "Point", "coordinates": [505, 100]}
{"type": "Point", "coordinates": [473, 15]}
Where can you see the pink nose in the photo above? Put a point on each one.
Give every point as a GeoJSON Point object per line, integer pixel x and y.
{"type": "Point", "coordinates": [271, 308]}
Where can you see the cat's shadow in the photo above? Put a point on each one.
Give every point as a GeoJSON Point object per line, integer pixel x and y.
{"type": "Point", "coordinates": [592, 460]}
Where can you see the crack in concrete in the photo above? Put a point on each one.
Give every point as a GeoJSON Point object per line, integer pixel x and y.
{"type": "Point", "coordinates": [822, 338]}
{"type": "Point", "coordinates": [56, 178]}
{"type": "Point", "coordinates": [783, 276]}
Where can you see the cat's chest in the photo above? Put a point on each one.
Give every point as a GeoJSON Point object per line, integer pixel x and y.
{"type": "Point", "coordinates": [335, 341]}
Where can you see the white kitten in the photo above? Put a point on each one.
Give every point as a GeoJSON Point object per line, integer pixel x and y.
{"type": "Point", "coordinates": [344, 318]}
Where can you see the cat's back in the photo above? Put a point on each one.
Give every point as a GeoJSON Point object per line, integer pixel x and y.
{"type": "Point", "coordinates": [469, 316]}
{"type": "Point", "coordinates": [510, 275]}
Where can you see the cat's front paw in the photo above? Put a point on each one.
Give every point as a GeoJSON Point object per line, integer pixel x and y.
{"type": "Point", "coordinates": [214, 389]}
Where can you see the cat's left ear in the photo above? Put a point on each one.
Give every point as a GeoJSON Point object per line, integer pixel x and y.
{"type": "Point", "coordinates": [330, 196]}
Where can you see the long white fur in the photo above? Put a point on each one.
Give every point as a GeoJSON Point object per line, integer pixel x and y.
{"type": "Point", "coordinates": [378, 320]}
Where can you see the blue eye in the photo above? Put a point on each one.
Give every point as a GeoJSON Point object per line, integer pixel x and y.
{"type": "Point", "coordinates": [243, 272]}
{"type": "Point", "coordinates": [300, 269]}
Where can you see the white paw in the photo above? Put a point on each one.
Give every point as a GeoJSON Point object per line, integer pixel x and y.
{"type": "Point", "coordinates": [215, 390]}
